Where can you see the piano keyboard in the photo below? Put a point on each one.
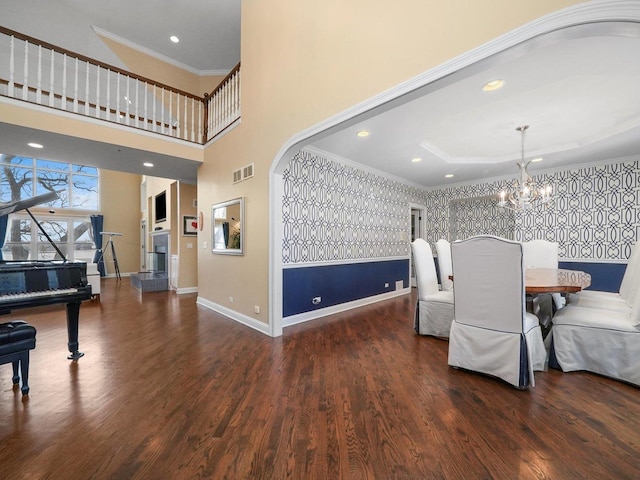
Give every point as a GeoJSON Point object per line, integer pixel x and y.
{"type": "Point", "coordinates": [44, 293]}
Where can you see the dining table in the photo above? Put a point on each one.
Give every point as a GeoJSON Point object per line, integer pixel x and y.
{"type": "Point", "coordinates": [555, 280]}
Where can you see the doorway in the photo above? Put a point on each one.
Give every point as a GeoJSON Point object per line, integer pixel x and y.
{"type": "Point", "coordinates": [417, 231]}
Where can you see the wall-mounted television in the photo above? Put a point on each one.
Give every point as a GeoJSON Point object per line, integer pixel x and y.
{"type": "Point", "coordinates": [160, 205]}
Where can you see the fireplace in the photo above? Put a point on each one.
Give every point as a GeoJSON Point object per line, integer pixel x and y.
{"type": "Point", "coordinates": [159, 260]}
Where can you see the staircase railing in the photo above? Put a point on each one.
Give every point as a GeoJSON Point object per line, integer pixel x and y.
{"type": "Point", "coordinates": [222, 106]}
{"type": "Point", "coordinates": [38, 72]}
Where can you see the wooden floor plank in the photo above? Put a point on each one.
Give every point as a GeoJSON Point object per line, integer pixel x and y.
{"type": "Point", "coordinates": [168, 389]}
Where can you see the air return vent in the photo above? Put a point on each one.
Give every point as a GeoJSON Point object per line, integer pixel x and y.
{"type": "Point", "coordinates": [247, 171]}
{"type": "Point", "coordinates": [237, 175]}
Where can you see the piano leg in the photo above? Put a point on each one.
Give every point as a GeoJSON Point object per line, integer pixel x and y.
{"type": "Point", "coordinates": [73, 313]}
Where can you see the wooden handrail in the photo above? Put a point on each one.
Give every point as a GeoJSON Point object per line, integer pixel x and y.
{"type": "Point", "coordinates": [222, 83]}
{"type": "Point", "coordinates": [92, 61]}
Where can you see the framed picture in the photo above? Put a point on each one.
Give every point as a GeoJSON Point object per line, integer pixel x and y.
{"type": "Point", "coordinates": [189, 225]}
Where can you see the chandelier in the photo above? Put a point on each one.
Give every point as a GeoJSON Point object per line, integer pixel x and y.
{"type": "Point", "coordinates": [525, 193]}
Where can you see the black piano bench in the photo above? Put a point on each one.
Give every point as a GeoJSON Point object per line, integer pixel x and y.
{"type": "Point", "coordinates": [16, 339]}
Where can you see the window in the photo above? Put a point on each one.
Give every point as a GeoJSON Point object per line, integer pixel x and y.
{"type": "Point", "coordinates": [25, 241]}
{"type": "Point", "coordinates": [78, 188]}
{"type": "Point", "coordinates": [24, 177]}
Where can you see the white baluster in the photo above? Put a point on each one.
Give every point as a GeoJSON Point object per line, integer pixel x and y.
{"type": "Point", "coordinates": [162, 106]}
{"type": "Point", "coordinates": [108, 110]}
{"type": "Point", "coordinates": [52, 91]}
{"type": "Point", "coordinates": [200, 122]}
{"type": "Point", "coordinates": [171, 113]}
{"type": "Point", "coordinates": [177, 122]}
{"type": "Point", "coordinates": [146, 98]}
{"type": "Point", "coordinates": [25, 85]}
{"type": "Point", "coordinates": [239, 109]}
{"type": "Point", "coordinates": [135, 123]}
{"type": "Point", "coordinates": [216, 120]}
{"type": "Point", "coordinates": [237, 80]}
{"type": "Point", "coordinates": [11, 67]}
{"type": "Point", "coordinates": [118, 98]}
{"type": "Point", "coordinates": [97, 91]}
{"type": "Point", "coordinates": [86, 91]}
{"type": "Point", "coordinates": [63, 104]}
{"type": "Point", "coordinates": [185, 127]}
{"type": "Point", "coordinates": [75, 88]}
{"type": "Point", "coordinates": [39, 81]}
{"type": "Point", "coordinates": [193, 126]}
{"type": "Point", "coordinates": [154, 118]}
{"type": "Point", "coordinates": [128, 101]}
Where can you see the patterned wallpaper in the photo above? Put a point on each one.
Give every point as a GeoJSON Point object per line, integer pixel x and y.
{"type": "Point", "coordinates": [334, 212]}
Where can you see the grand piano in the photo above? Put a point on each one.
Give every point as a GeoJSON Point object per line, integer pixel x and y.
{"type": "Point", "coordinates": [25, 284]}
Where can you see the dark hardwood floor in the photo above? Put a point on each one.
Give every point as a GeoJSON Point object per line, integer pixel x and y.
{"type": "Point", "coordinates": [171, 390]}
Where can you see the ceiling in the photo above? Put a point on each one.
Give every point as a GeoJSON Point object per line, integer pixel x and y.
{"type": "Point", "coordinates": [209, 30]}
{"type": "Point", "coordinates": [577, 89]}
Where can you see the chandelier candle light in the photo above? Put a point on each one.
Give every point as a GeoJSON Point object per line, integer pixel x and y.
{"type": "Point", "coordinates": [525, 193]}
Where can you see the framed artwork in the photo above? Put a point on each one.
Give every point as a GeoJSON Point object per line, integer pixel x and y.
{"type": "Point", "coordinates": [189, 225]}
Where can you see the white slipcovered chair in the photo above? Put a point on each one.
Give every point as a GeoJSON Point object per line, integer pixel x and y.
{"type": "Point", "coordinates": [434, 308]}
{"type": "Point", "coordinates": [542, 254]}
{"type": "Point", "coordinates": [600, 331]}
{"type": "Point", "coordinates": [443, 251]}
{"type": "Point", "coordinates": [623, 299]}
{"type": "Point", "coordinates": [491, 332]}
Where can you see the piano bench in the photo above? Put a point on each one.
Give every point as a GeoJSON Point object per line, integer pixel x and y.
{"type": "Point", "coordinates": [16, 339]}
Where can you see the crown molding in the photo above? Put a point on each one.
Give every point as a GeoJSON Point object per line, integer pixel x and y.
{"type": "Point", "coordinates": [359, 166]}
{"type": "Point", "coordinates": [154, 54]}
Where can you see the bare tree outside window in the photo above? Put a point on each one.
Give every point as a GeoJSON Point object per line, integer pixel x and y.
{"type": "Point", "coordinates": [77, 187]}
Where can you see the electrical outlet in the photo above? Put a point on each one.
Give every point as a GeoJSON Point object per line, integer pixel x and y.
{"type": "Point", "coordinates": [256, 309]}
{"type": "Point", "coordinates": [316, 300]}
{"type": "Point", "coordinates": [231, 299]}
{"type": "Point", "coordinates": [386, 285]}
{"type": "Point", "coordinates": [204, 245]}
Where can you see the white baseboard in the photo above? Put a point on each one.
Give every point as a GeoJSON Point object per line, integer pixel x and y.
{"type": "Point", "coordinates": [322, 312]}
{"type": "Point", "coordinates": [183, 290]}
{"type": "Point", "coordinates": [233, 315]}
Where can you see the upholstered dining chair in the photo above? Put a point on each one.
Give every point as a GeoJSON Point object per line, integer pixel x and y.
{"type": "Point", "coordinates": [600, 331]}
{"type": "Point", "coordinates": [621, 300]}
{"type": "Point", "coordinates": [491, 332]}
{"type": "Point", "coordinates": [434, 307]}
{"type": "Point", "coordinates": [604, 339]}
{"type": "Point", "coordinates": [443, 251]}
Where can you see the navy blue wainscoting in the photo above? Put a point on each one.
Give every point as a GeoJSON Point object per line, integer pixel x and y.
{"type": "Point", "coordinates": [605, 277]}
{"type": "Point", "coordinates": [340, 283]}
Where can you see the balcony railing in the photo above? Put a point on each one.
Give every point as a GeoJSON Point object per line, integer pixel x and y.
{"type": "Point", "coordinates": [38, 72]}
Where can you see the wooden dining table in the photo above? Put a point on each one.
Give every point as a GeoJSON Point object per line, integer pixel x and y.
{"type": "Point", "coordinates": [555, 280]}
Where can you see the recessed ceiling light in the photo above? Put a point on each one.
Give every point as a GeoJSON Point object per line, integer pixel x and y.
{"type": "Point", "coordinates": [174, 39]}
{"type": "Point", "coordinates": [539, 159]}
{"type": "Point", "coordinates": [34, 145]}
{"type": "Point", "coordinates": [148, 164]}
{"type": "Point", "coordinates": [416, 160]}
{"type": "Point", "coordinates": [493, 85]}
{"type": "Point", "coordinates": [362, 133]}
{"type": "Point", "coordinates": [449, 175]}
